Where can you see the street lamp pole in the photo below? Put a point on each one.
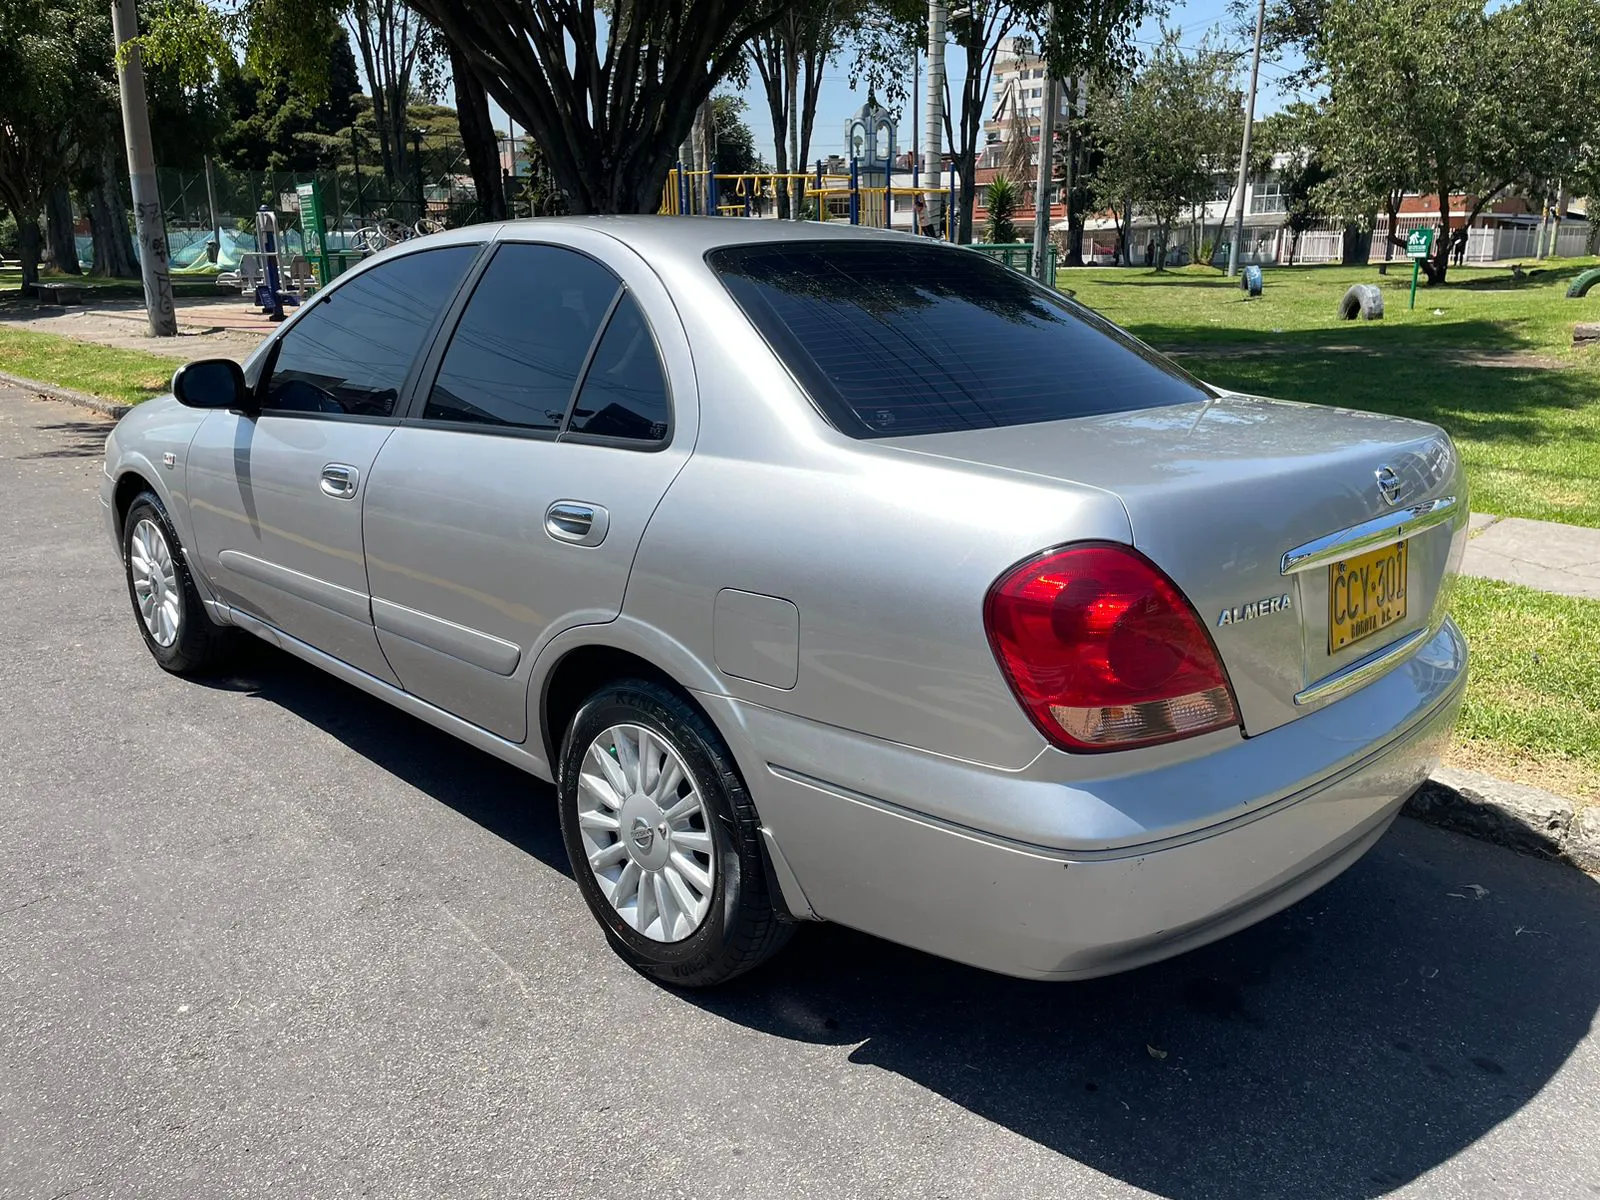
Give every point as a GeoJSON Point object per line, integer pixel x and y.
{"type": "Point", "coordinates": [147, 219]}
{"type": "Point", "coordinates": [1041, 191]}
{"type": "Point", "coordinates": [1244, 153]}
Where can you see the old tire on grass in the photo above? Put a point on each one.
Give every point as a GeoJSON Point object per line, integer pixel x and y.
{"type": "Point", "coordinates": [1364, 300]}
{"type": "Point", "coordinates": [1580, 286]}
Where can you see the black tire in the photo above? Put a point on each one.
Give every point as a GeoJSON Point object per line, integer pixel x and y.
{"type": "Point", "coordinates": [200, 645]}
{"type": "Point", "coordinates": [742, 927]}
{"type": "Point", "coordinates": [1364, 300]}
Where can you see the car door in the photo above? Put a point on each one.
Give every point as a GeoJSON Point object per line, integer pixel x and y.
{"type": "Point", "coordinates": [276, 495]}
{"type": "Point", "coordinates": [509, 505]}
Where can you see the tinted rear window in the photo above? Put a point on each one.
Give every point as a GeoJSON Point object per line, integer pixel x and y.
{"type": "Point", "coordinates": [892, 340]}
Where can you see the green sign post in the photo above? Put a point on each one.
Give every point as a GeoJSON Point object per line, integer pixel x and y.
{"type": "Point", "coordinates": [1419, 244]}
{"type": "Point", "coordinates": [314, 229]}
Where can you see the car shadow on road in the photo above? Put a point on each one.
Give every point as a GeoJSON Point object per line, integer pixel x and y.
{"type": "Point", "coordinates": [507, 802]}
{"type": "Point", "coordinates": [1338, 1050]}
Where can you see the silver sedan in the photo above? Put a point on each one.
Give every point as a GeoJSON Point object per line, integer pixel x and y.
{"type": "Point", "coordinates": [829, 574]}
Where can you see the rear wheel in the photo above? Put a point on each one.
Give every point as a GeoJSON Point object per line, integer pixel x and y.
{"type": "Point", "coordinates": [177, 629]}
{"type": "Point", "coordinates": [664, 839]}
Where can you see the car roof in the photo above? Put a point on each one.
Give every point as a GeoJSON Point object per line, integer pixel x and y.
{"type": "Point", "coordinates": [692, 237]}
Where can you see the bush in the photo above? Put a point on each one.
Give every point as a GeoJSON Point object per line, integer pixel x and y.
{"type": "Point", "coordinates": [1001, 201]}
{"type": "Point", "coordinates": [8, 238]}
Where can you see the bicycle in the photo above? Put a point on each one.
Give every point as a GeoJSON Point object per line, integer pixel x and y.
{"type": "Point", "coordinates": [370, 239]}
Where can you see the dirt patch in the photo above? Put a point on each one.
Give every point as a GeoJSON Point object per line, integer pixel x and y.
{"type": "Point", "coordinates": [1462, 358]}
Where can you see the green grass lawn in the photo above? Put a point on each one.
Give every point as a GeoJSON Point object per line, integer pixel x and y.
{"type": "Point", "coordinates": [1488, 359]}
{"type": "Point", "coordinates": [1533, 703]}
{"type": "Point", "coordinates": [128, 376]}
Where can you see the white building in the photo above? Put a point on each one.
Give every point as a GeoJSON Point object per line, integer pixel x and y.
{"type": "Point", "coordinates": [1017, 84]}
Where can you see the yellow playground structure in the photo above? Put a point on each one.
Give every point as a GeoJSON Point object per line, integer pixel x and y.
{"type": "Point", "coordinates": [822, 197]}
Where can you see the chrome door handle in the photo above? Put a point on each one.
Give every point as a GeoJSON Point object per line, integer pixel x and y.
{"type": "Point", "coordinates": [340, 480]}
{"type": "Point", "coordinates": [577, 522]}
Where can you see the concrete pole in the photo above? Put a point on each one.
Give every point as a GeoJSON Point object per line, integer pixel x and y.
{"type": "Point", "coordinates": [1041, 192]}
{"type": "Point", "coordinates": [211, 204]}
{"type": "Point", "coordinates": [1244, 153]}
{"type": "Point", "coordinates": [933, 119]}
{"type": "Point", "coordinates": [149, 227]}
{"type": "Point", "coordinates": [916, 159]}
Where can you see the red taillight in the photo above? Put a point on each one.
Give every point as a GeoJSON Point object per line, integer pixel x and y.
{"type": "Point", "coordinates": [1104, 652]}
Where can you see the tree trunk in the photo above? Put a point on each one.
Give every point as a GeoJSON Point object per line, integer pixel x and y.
{"type": "Point", "coordinates": [477, 135]}
{"type": "Point", "coordinates": [59, 229]}
{"type": "Point", "coordinates": [791, 99]}
{"type": "Point", "coordinates": [108, 221]}
{"type": "Point", "coordinates": [1294, 244]}
{"type": "Point", "coordinates": [28, 242]}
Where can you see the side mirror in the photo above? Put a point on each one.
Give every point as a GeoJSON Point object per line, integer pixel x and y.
{"type": "Point", "coordinates": [211, 383]}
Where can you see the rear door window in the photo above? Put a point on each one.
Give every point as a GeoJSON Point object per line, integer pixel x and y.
{"type": "Point", "coordinates": [897, 339]}
{"type": "Point", "coordinates": [624, 392]}
{"type": "Point", "coordinates": [514, 358]}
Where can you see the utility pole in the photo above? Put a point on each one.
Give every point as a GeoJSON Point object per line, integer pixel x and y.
{"type": "Point", "coordinates": [933, 119]}
{"type": "Point", "coordinates": [1244, 153]}
{"type": "Point", "coordinates": [916, 82]}
{"type": "Point", "coordinates": [1041, 191]}
{"type": "Point", "coordinates": [211, 203]}
{"type": "Point", "coordinates": [149, 226]}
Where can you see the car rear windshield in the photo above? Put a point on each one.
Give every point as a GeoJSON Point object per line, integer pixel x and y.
{"type": "Point", "coordinates": [892, 340]}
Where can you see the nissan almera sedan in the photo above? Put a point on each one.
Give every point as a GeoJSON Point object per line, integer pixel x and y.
{"type": "Point", "coordinates": [829, 574]}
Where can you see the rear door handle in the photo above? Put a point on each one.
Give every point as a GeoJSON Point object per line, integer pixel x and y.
{"type": "Point", "coordinates": [577, 522]}
{"type": "Point", "coordinates": [340, 480]}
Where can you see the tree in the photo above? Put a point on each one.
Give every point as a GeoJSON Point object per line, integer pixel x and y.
{"type": "Point", "coordinates": [398, 51]}
{"type": "Point", "coordinates": [609, 113]}
{"type": "Point", "coordinates": [1445, 98]}
{"type": "Point", "coordinates": [789, 57]}
{"type": "Point", "coordinates": [1001, 201]}
{"type": "Point", "coordinates": [1085, 45]}
{"type": "Point", "coordinates": [1166, 133]}
{"type": "Point", "coordinates": [1293, 133]}
{"type": "Point", "coordinates": [479, 138]}
{"type": "Point", "coordinates": [607, 88]}
{"type": "Point", "coordinates": [736, 144]}
{"type": "Point", "coordinates": [282, 121]}
{"type": "Point", "coordinates": [53, 84]}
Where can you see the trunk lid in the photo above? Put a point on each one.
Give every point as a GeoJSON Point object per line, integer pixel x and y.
{"type": "Point", "coordinates": [1219, 492]}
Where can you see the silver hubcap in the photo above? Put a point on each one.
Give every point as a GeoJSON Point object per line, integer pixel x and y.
{"type": "Point", "coordinates": [645, 832]}
{"type": "Point", "coordinates": [155, 582]}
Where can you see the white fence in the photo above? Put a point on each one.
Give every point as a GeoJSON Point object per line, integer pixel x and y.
{"type": "Point", "coordinates": [1492, 245]}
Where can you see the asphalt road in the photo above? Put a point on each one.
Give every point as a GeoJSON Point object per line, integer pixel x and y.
{"type": "Point", "coordinates": [267, 936]}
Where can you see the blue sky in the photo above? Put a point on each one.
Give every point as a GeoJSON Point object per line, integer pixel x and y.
{"type": "Point", "coordinates": [839, 101]}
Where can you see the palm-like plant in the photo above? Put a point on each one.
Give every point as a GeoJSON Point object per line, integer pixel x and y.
{"type": "Point", "coordinates": [1001, 201]}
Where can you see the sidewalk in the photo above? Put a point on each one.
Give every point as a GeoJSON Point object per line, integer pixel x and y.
{"type": "Point", "coordinates": [1537, 554]}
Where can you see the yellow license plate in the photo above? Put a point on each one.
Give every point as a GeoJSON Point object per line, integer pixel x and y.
{"type": "Point", "coordinates": [1365, 594]}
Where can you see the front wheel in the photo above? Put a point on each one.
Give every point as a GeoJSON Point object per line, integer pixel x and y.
{"type": "Point", "coordinates": [664, 839]}
{"type": "Point", "coordinates": [177, 629]}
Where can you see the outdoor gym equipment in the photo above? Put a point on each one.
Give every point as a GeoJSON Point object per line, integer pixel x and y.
{"type": "Point", "coordinates": [270, 294]}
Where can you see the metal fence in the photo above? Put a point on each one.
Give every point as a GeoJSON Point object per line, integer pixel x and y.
{"type": "Point", "coordinates": [434, 186]}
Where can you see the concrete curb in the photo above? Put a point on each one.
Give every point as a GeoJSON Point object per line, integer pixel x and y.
{"type": "Point", "coordinates": [1523, 818]}
{"type": "Point", "coordinates": [50, 391]}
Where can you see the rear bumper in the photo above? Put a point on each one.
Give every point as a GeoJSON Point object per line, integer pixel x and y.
{"type": "Point", "coordinates": [1034, 907]}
